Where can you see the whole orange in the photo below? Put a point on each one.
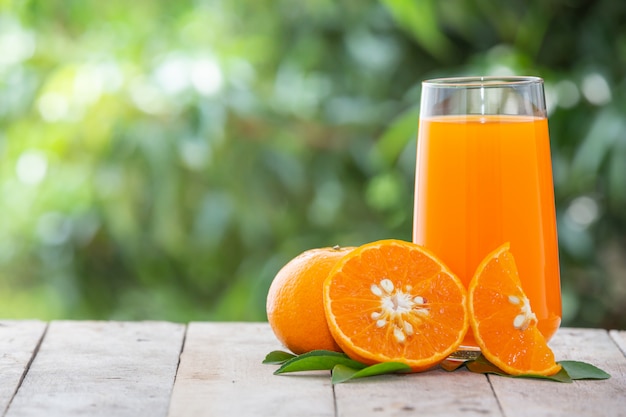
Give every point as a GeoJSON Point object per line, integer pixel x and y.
{"type": "Point", "coordinates": [295, 306]}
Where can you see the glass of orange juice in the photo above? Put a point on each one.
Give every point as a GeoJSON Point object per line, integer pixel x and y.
{"type": "Point", "coordinates": [483, 178]}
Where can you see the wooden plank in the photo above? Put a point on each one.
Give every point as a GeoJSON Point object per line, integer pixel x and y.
{"type": "Point", "coordinates": [101, 369]}
{"type": "Point", "coordinates": [431, 393]}
{"type": "Point", "coordinates": [221, 374]}
{"type": "Point", "coordinates": [536, 398]}
{"type": "Point", "coordinates": [619, 336]}
{"type": "Point", "coordinates": [19, 341]}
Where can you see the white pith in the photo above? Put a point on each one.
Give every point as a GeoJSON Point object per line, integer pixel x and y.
{"type": "Point", "coordinates": [399, 308]}
{"type": "Point", "coordinates": [526, 317]}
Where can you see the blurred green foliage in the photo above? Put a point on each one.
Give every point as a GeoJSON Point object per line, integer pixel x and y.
{"type": "Point", "coordinates": [162, 160]}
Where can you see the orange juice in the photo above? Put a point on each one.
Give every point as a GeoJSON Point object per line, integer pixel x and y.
{"type": "Point", "coordinates": [482, 180]}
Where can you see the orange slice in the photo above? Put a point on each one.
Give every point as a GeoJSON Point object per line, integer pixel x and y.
{"type": "Point", "coordinates": [502, 320]}
{"type": "Point", "coordinates": [395, 301]}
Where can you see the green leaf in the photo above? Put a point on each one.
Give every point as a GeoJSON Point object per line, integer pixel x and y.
{"type": "Point", "coordinates": [482, 365]}
{"type": "Point", "coordinates": [571, 370]}
{"type": "Point", "coordinates": [583, 370]}
{"type": "Point", "coordinates": [561, 376]}
{"type": "Point", "coordinates": [344, 369]}
{"type": "Point", "coordinates": [342, 373]}
{"type": "Point", "coordinates": [317, 360]}
{"type": "Point", "coordinates": [278, 357]}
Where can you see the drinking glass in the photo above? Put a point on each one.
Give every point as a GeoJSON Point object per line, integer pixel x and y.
{"type": "Point", "coordinates": [483, 178]}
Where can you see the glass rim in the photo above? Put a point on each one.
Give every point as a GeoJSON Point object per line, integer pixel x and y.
{"type": "Point", "coordinates": [490, 81]}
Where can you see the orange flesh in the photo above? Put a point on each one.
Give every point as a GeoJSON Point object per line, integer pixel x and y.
{"type": "Point", "coordinates": [496, 301]}
{"type": "Point", "coordinates": [354, 305]}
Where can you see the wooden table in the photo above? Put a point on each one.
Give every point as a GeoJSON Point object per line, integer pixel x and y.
{"type": "Point", "coordinates": [80, 368]}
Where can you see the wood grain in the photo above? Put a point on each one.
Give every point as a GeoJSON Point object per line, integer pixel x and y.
{"type": "Point", "coordinates": [19, 341]}
{"type": "Point", "coordinates": [101, 369]}
{"type": "Point", "coordinates": [619, 337]}
{"type": "Point", "coordinates": [132, 369]}
{"type": "Point", "coordinates": [221, 374]}
{"type": "Point", "coordinates": [536, 398]}
{"type": "Point", "coordinates": [432, 393]}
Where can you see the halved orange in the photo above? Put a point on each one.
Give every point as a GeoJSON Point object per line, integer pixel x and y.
{"type": "Point", "coordinates": [392, 300]}
{"type": "Point", "coordinates": [502, 320]}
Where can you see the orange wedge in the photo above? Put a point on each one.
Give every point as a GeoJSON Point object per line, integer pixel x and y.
{"type": "Point", "coordinates": [395, 301]}
{"type": "Point", "coordinates": [502, 320]}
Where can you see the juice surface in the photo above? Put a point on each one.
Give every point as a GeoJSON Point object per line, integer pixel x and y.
{"type": "Point", "coordinates": [485, 180]}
